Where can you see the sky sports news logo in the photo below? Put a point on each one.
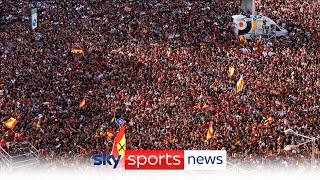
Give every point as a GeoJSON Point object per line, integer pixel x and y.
{"type": "Point", "coordinates": [167, 160]}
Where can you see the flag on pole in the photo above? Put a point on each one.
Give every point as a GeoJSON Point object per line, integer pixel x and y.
{"type": "Point", "coordinates": [268, 121]}
{"type": "Point", "coordinates": [11, 123]}
{"type": "Point", "coordinates": [38, 124]}
{"type": "Point", "coordinates": [110, 134]}
{"type": "Point", "coordinates": [34, 18]}
{"type": "Point", "coordinates": [82, 103]}
{"type": "Point", "coordinates": [128, 9]}
{"type": "Point", "coordinates": [210, 131]}
{"type": "Point", "coordinates": [230, 71]}
{"type": "Point", "coordinates": [119, 143]}
{"type": "Point", "coordinates": [240, 85]}
{"type": "Point", "coordinates": [78, 52]}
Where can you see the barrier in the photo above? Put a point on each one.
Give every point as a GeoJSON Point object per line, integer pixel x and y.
{"type": "Point", "coordinates": [18, 155]}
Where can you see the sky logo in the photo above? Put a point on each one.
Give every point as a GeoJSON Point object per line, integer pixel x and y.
{"type": "Point", "coordinates": [106, 159]}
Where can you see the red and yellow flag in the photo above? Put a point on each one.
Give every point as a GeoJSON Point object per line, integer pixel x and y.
{"type": "Point", "coordinates": [268, 121]}
{"type": "Point", "coordinates": [11, 123]}
{"type": "Point", "coordinates": [82, 103]}
{"type": "Point", "coordinates": [110, 134]}
{"type": "Point", "coordinates": [128, 9]}
{"type": "Point", "coordinates": [39, 123]}
{"type": "Point", "coordinates": [240, 85]}
{"type": "Point", "coordinates": [230, 71]}
{"type": "Point", "coordinates": [119, 143]}
{"type": "Point", "coordinates": [78, 52]}
{"type": "Point", "coordinates": [210, 131]}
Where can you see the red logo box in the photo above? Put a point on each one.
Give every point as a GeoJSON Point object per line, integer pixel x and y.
{"type": "Point", "coordinates": [154, 160]}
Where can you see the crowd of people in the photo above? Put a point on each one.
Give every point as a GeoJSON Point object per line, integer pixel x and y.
{"type": "Point", "coordinates": [163, 67]}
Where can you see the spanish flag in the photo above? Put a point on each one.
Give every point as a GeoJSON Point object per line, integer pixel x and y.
{"type": "Point", "coordinates": [240, 85]}
{"type": "Point", "coordinates": [110, 134]}
{"type": "Point", "coordinates": [128, 9]}
{"type": "Point", "coordinates": [78, 52]}
{"type": "Point", "coordinates": [210, 131]}
{"type": "Point", "coordinates": [11, 123]}
{"type": "Point", "coordinates": [230, 71]}
{"type": "Point", "coordinates": [39, 124]}
{"type": "Point", "coordinates": [119, 143]}
{"type": "Point", "coordinates": [82, 103]}
{"type": "Point", "coordinates": [268, 121]}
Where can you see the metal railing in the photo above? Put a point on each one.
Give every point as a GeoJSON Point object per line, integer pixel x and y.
{"type": "Point", "coordinates": [24, 155]}
{"type": "Point", "coordinates": [4, 158]}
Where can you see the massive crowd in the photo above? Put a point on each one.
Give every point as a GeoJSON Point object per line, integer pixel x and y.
{"type": "Point", "coordinates": [162, 66]}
